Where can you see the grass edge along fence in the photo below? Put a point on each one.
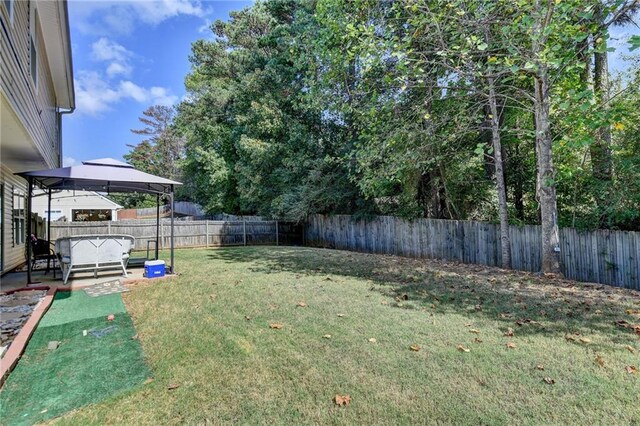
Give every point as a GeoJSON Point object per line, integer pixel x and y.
{"type": "Point", "coordinates": [189, 233]}
{"type": "Point", "coordinates": [601, 256]}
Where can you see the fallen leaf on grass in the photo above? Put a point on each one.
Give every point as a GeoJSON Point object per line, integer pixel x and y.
{"type": "Point", "coordinates": [342, 399]}
{"type": "Point", "coordinates": [302, 305]}
{"type": "Point", "coordinates": [511, 345]}
{"type": "Point", "coordinates": [247, 317]}
{"type": "Point", "coordinates": [522, 322]}
{"type": "Point", "coordinates": [463, 349]}
{"type": "Point", "coordinates": [540, 367]}
{"type": "Point", "coordinates": [631, 369]}
{"type": "Point", "coordinates": [173, 386]}
{"type": "Point", "coordinates": [414, 348]}
{"type": "Point", "coordinates": [549, 380]}
{"type": "Point", "coordinates": [149, 380]}
{"type": "Point", "coordinates": [276, 325]}
{"type": "Point", "coordinates": [372, 340]}
{"type": "Point", "coordinates": [111, 317]}
{"type": "Point", "coordinates": [477, 340]}
{"type": "Point", "coordinates": [585, 340]}
{"type": "Point", "coordinates": [340, 315]}
{"type": "Point", "coordinates": [384, 302]}
{"type": "Point", "coordinates": [633, 312]}
{"type": "Point", "coordinates": [600, 360]}
{"type": "Point", "coordinates": [134, 337]}
{"type": "Point", "coordinates": [626, 324]}
{"type": "Point", "coordinates": [469, 324]}
{"type": "Point", "coordinates": [326, 336]}
{"type": "Point", "coordinates": [473, 330]}
{"type": "Point", "coordinates": [509, 332]}
{"type": "Point", "coordinates": [630, 349]}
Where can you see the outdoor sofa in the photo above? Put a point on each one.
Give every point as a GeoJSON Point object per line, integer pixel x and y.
{"type": "Point", "coordinates": [93, 252]}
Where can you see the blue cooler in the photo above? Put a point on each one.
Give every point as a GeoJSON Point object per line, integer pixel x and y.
{"type": "Point", "coordinates": [154, 268]}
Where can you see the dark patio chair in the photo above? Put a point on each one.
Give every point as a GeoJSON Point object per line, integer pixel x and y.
{"type": "Point", "coordinates": [43, 250]}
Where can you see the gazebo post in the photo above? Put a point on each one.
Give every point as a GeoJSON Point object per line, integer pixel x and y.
{"type": "Point", "coordinates": [173, 271]}
{"type": "Point", "coordinates": [29, 248]}
{"type": "Point", "coordinates": [157, 223]}
{"type": "Point", "coordinates": [49, 229]}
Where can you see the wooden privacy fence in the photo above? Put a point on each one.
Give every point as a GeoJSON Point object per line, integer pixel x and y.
{"type": "Point", "coordinates": [607, 257]}
{"type": "Point", "coordinates": [197, 233]}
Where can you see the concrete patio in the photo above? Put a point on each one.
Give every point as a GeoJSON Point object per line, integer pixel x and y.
{"type": "Point", "coordinates": [15, 280]}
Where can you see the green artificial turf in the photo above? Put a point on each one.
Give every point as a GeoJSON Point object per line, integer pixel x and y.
{"type": "Point", "coordinates": [83, 370]}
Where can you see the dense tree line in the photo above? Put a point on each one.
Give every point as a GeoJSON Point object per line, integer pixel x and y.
{"type": "Point", "coordinates": [503, 111]}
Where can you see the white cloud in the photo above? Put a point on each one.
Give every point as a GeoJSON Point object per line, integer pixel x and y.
{"type": "Point", "coordinates": [154, 12]}
{"type": "Point", "coordinates": [107, 50]}
{"type": "Point", "coordinates": [161, 96]}
{"type": "Point", "coordinates": [95, 96]}
{"type": "Point", "coordinates": [132, 90]}
{"type": "Point", "coordinates": [109, 17]}
{"type": "Point", "coordinates": [69, 162]}
{"type": "Point", "coordinates": [118, 56]}
{"type": "Point", "coordinates": [115, 68]}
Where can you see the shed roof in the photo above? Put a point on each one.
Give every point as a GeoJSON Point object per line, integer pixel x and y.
{"type": "Point", "coordinates": [102, 175]}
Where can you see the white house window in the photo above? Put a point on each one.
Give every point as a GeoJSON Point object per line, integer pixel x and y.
{"type": "Point", "coordinates": [55, 214]}
{"type": "Point", "coordinates": [19, 218]}
{"type": "Point", "coordinates": [33, 40]}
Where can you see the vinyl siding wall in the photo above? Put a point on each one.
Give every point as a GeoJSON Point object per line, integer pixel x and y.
{"type": "Point", "coordinates": [34, 104]}
{"type": "Point", "coordinates": [13, 253]}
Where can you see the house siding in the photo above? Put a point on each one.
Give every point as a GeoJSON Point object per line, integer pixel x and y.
{"type": "Point", "coordinates": [33, 109]}
{"type": "Point", "coordinates": [13, 253]}
{"type": "Point", "coordinates": [67, 201]}
{"type": "Point", "coordinates": [34, 104]}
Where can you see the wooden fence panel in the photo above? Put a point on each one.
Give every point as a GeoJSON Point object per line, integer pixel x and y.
{"type": "Point", "coordinates": [602, 256]}
{"type": "Point", "coordinates": [200, 233]}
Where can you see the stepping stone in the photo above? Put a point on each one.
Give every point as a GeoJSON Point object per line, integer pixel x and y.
{"type": "Point", "coordinates": [53, 345]}
{"type": "Point", "coordinates": [103, 289]}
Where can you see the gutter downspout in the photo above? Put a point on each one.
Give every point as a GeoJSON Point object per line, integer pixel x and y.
{"type": "Point", "coordinates": [60, 112]}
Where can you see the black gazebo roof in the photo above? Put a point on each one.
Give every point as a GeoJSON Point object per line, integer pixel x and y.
{"type": "Point", "coordinates": [101, 175]}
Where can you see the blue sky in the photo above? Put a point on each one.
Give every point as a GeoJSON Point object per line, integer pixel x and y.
{"type": "Point", "coordinates": [129, 55]}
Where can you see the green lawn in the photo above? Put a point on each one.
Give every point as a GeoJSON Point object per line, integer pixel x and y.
{"type": "Point", "coordinates": [207, 335]}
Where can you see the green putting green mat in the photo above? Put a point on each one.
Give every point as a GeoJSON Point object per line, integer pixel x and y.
{"type": "Point", "coordinates": [84, 369]}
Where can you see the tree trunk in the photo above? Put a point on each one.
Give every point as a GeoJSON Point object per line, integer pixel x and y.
{"type": "Point", "coordinates": [545, 185]}
{"type": "Point", "coordinates": [600, 150]}
{"type": "Point", "coordinates": [518, 188]}
{"type": "Point", "coordinates": [499, 175]}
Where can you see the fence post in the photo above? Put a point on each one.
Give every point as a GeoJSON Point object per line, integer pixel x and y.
{"type": "Point", "coordinates": [244, 231]}
{"type": "Point", "coordinates": [206, 227]}
{"type": "Point", "coordinates": [277, 241]}
{"type": "Point", "coordinates": [109, 228]}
